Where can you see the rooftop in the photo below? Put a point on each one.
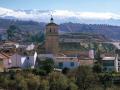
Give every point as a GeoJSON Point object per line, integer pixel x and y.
{"type": "Point", "coordinates": [53, 24]}
{"type": "Point", "coordinates": [108, 58]}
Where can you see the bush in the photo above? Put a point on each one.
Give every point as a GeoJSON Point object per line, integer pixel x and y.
{"type": "Point", "coordinates": [44, 85]}
{"type": "Point", "coordinates": [97, 68]}
{"type": "Point", "coordinates": [65, 70]}
{"type": "Point", "coordinates": [58, 81]}
{"type": "Point", "coordinates": [85, 78]}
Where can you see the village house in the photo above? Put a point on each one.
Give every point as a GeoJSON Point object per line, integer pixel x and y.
{"type": "Point", "coordinates": [108, 64]}
{"type": "Point", "coordinates": [15, 55]}
{"type": "Point", "coordinates": [62, 61]}
{"type": "Point", "coordinates": [66, 62]}
{"type": "Point", "coordinates": [17, 61]}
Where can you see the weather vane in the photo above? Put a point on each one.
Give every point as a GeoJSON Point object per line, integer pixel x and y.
{"type": "Point", "coordinates": [51, 14]}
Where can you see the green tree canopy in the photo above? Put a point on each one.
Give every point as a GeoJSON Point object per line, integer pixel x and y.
{"type": "Point", "coordinates": [45, 66]}
{"type": "Point", "coordinates": [58, 81]}
{"type": "Point", "coordinates": [11, 31]}
{"type": "Point", "coordinates": [85, 78]}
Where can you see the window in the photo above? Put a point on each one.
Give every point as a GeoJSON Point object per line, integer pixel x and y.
{"type": "Point", "coordinates": [61, 64]}
{"type": "Point", "coordinates": [110, 69]}
{"type": "Point", "coordinates": [27, 58]}
{"type": "Point", "coordinates": [119, 69]}
{"type": "Point", "coordinates": [108, 63]}
{"type": "Point", "coordinates": [54, 30]}
{"type": "Point", "coordinates": [118, 63]}
{"type": "Point", "coordinates": [50, 30]}
{"type": "Point", "coordinates": [72, 64]}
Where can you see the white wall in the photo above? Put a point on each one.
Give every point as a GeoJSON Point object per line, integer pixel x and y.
{"type": "Point", "coordinates": [67, 64]}
{"type": "Point", "coordinates": [20, 61]}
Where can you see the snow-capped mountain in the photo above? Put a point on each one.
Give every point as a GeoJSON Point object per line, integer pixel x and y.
{"type": "Point", "coordinates": [62, 16]}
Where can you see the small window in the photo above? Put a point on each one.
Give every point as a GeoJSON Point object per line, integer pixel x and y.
{"type": "Point", "coordinates": [50, 30]}
{"type": "Point", "coordinates": [118, 63]}
{"type": "Point", "coordinates": [54, 30]}
{"type": "Point", "coordinates": [110, 69]}
{"type": "Point", "coordinates": [61, 64]}
{"type": "Point", "coordinates": [118, 69]}
{"type": "Point", "coordinates": [72, 64]}
{"type": "Point", "coordinates": [27, 58]}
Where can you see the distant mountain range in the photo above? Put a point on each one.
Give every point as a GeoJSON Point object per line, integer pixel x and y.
{"type": "Point", "coordinates": [61, 16]}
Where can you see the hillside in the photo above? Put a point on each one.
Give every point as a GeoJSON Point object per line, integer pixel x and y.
{"type": "Point", "coordinates": [109, 31]}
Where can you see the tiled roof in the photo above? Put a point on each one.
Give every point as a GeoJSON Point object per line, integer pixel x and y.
{"type": "Point", "coordinates": [4, 56]}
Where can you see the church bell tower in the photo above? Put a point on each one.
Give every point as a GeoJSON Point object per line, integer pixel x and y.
{"type": "Point", "coordinates": [51, 37]}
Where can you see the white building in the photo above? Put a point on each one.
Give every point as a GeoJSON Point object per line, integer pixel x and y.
{"type": "Point", "coordinates": [66, 62]}
{"type": "Point", "coordinates": [61, 61]}
{"type": "Point", "coordinates": [44, 56]}
{"type": "Point", "coordinates": [20, 61]}
{"type": "Point", "coordinates": [108, 64]}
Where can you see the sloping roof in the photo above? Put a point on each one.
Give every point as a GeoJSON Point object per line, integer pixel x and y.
{"type": "Point", "coordinates": [86, 62]}
{"type": "Point", "coordinates": [4, 56]}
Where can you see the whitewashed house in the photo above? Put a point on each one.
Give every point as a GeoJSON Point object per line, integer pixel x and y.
{"type": "Point", "coordinates": [108, 64]}
{"type": "Point", "coordinates": [66, 62]}
{"type": "Point", "coordinates": [28, 61]}
{"type": "Point", "coordinates": [111, 63]}
{"type": "Point", "coordinates": [19, 61]}
{"type": "Point", "coordinates": [61, 62]}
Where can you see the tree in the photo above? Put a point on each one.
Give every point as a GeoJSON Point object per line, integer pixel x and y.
{"type": "Point", "coordinates": [21, 82]}
{"type": "Point", "coordinates": [33, 82]}
{"type": "Point", "coordinates": [44, 85]}
{"type": "Point", "coordinates": [97, 68]}
{"type": "Point", "coordinates": [65, 70]}
{"type": "Point", "coordinates": [38, 38]}
{"type": "Point", "coordinates": [47, 65]}
{"type": "Point", "coordinates": [39, 71]}
{"type": "Point", "coordinates": [12, 85]}
{"type": "Point", "coordinates": [58, 81]}
{"type": "Point", "coordinates": [72, 86]}
{"type": "Point", "coordinates": [4, 82]}
{"type": "Point", "coordinates": [27, 81]}
{"type": "Point", "coordinates": [98, 56]}
{"type": "Point", "coordinates": [10, 32]}
{"type": "Point", "coordinates": [85, 78]}
{"type": "Point", "coordinates": [22, 85]}
{"type": "Point", "coordinates": [106, 80]}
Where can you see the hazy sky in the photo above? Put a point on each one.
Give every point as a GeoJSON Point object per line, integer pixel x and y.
{"type": "Point", "coordinates": [75, 5]}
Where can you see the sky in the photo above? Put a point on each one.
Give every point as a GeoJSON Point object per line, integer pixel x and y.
{"type": "Point", "coordinates": [73, 5]}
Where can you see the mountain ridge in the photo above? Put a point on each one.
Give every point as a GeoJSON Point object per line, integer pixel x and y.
{"type": "Point", "coordinates": [110, 31]}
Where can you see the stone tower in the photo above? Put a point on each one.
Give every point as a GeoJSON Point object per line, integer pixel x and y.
{"type": "Point", "coordinates": [51, 37]}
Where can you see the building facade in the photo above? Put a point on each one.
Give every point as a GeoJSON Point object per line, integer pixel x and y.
{"type": "Point", "coordinates": [66, 62]}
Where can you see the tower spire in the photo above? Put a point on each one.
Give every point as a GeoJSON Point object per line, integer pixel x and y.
{"type": "Point", "coordinates": [51, 20]}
